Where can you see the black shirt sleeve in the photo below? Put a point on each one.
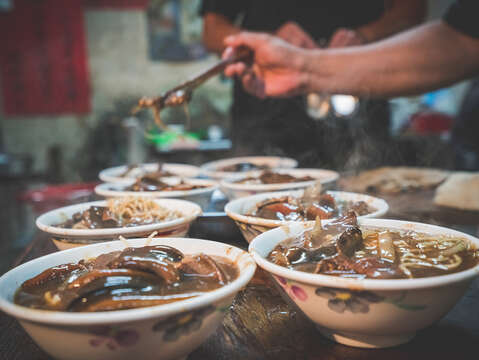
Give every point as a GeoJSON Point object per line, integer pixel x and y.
{"type": "Point", "coordinates": [229, 9]}
{"type": "Point", "coordinates": [462, 16]}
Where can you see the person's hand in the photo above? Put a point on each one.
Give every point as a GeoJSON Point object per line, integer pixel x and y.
{"type": "Point", "coordinates": [276, 70]}
{"type": "Point", "coordinates": [294, 34]}
{"type": "Point", "coordinates": [346, 37]}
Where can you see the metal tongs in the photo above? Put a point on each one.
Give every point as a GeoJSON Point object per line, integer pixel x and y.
{"type": "Point", "coordinates": [182, 93]}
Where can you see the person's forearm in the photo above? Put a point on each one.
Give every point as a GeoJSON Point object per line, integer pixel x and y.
{"type": "Point", "coordinates": [215, 28]}
{"type": "Point", "coordinates": [398, 15]}
{"type": "Point", "coordinates": [416, 61]}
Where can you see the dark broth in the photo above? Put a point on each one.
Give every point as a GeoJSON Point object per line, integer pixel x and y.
{"type": "Point", "coordinates": [324, 206]}
{"type": "Point", "coordinates": [343, 249]}
{"type": "Point", "coordinates": [132, 278]}
{"type": "Point", "coordinates": [120, 212]}
{"type": "Point", "coordinates": [153, 183]}
{"type": "Point", "coordinates": [158, 173]}
{"type": "Point", "coordinates": [99, 217]}
{"type": "Point", "coordinates": [243, 166]}
{"type": "Point", "coordinates": [271, 177]}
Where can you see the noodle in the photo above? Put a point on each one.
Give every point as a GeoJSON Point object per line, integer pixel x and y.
{"type": "Point", "coordinates": [121, 212]}
{"type": "Point", "coordinates": [158, 121]}
{"type": "Point", "coordinates": [123, 240]}
{"type": "Point", "coordinates": [154, 104]}
{"type": "Point", "coordinates": [139, 210]}
{"type": "Point", "coordinates": [150, 237]}
{"type": "Point", "coordinates": [188, 117]}
{"type": "Point", "coordinates": [428, 253]}
{"type": "Point", "coordinates": [343, 248]}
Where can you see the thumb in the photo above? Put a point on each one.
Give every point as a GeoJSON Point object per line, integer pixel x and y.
{"type": "Point", "coordinates": [248, 39]}
{"type": "Point", "coordinates": [227, 53]}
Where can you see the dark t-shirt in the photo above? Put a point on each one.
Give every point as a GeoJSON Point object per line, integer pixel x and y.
{"type": "Point", "coordinates": [463, 16]}
{"type": "Point", "coordinates": [319, 18]}
{"type": "Point", "coordinates": [282, 126]}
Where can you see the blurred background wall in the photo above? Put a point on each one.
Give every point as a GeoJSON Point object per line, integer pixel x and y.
{"type": "Point", "coordinates": [121, 71]}
{"type": "Point", "coordinates": [122, 42]}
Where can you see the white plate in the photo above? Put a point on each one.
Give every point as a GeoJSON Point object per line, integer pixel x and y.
{"type": "Point", "coordinates": [113, 174]}
{"type": "Point", "coordinates": [213, 170]}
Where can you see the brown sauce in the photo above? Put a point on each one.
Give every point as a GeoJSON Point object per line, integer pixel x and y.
{"type": "Point", "coordinates": [152, 183]}
{"type": "Point", "coordinates": [132, 278]}
{"type": "Point", "coordinates": [95, 217]}
{"type": "Point", "coordinates": [243, 166]}
{"type": "Point", "coordinates": [160, 172]}
{"type": "Point", "coordinates": [121, 212]}
{"type": "Point", "coordinates": [270, 177]}
{"type": "Point", "coordinates": [324, 206]}
{"type": "Point", "coordinates": [341, 248]}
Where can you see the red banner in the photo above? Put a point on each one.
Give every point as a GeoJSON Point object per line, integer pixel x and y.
{"type": "Point", "coordinates": [43, 58]}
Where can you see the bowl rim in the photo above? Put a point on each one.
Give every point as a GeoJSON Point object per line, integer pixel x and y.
{"type": "Point", "coordinates": [104, 189]}
{"type": "Point", "coordinates": [49, 228]}
{"type": "Point", "coordinates": [274, 223]}
{"type": "Point", "coordinates": [209, 168]}
{"type": "Point", "coordinates": [246, 272]}
{"type": "Point", "coordinates": [364, 284]}
{"type": "Point", "coordinates": [111, 174]}
{"type": "Point", "coordinates": [325, 176]}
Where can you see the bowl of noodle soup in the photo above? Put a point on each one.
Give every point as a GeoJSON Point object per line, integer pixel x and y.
{"type": "Point", "coordinates": [125, 173]}
{"type": "Point", "coordinates": [128, 217]}
{"type": "Point", "coordinates": [199, 191]}
{"type": "Point", "coordinates": [236, 166]}
{"type": "Point", "coordinates": [371, 310]}
{"type": "Point", "coordinates": [166, 331]}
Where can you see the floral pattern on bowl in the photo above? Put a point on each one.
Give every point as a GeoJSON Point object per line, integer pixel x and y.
{"type": "Point", "coordinates": [295, 291]}
{"type": "Point", "coordinates": [183, 324]}
{"type": "Point", "coordinates": [113, 337]}
{"type": "Point", "coordinates": [341, 300]}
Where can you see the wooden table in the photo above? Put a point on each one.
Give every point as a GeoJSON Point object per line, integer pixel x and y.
{"type": "Point", "coordinates": [260, 325]}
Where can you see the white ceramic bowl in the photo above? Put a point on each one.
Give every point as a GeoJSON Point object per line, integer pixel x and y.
{"type": "Point", "coordinates": [200, 196]}
{"type": "Point", "coordinates": [252, 226]}
{"type": "Point", "coordinates": [113, 174]}
{"type": "Point", "coordinates": [234, 190]}
{"type": "Point", "coordinates": [213, 169]}
{"type": "Point", "coordinates": [168, 331]}
{"type": "Point", "coordinates": [370, 312]}
{"type": "Point", "coordinates": [68, 238]}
